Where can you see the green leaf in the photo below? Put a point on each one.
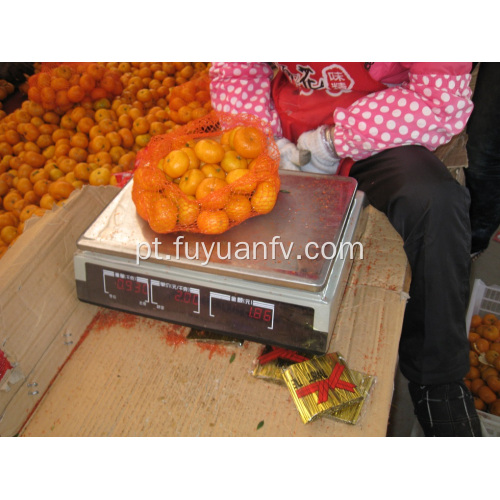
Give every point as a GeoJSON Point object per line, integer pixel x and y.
{"type": "Point", "coordinates": [260, 424]}
{"type": "Point", "coordinates": [284, 191]}
{"type": "Point", "coordinates": [232, 358]}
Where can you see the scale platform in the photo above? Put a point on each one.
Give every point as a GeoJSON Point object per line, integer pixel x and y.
{"type": "Point", "coordinates": [274, 279]}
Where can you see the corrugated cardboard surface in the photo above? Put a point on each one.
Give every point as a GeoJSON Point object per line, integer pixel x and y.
{"type": "Point", "coordinates": [40, 317]}
{"type": "Point", "coordinates": [133, 376]}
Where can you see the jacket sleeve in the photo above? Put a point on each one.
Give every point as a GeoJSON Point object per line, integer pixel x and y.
{"type": "Point", "coordinates": [244, 88]}
{"type": "Point", "coordinates": [428, 109]}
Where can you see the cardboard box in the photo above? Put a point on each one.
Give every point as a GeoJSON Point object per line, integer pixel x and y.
{"type": "Point", "coordinates": [135, 376]}
{"type": "Point", "coordinates": [41, 320]}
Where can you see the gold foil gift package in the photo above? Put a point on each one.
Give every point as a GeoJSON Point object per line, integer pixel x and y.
{"type": "Point", "coordinates": [325, 386]}
{"type": "Point", "coordinates": [350, 413]}
{"type": "Point", "coordinates": [306, 378]}
{"type": "Point", "coordinates": [274, 360]}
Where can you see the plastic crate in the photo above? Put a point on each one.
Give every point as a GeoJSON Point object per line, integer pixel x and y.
{"type": "Point", "coordinates": [490, 424]}
{"type": "Point", "coordinates": [485, 299]}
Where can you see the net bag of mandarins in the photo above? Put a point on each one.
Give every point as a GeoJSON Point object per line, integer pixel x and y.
{"type": "Point", "coordinates": [60, 86]}
{"type": "Point", "coordinates": [207, 176]}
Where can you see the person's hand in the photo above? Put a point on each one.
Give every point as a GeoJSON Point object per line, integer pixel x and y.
{"type": "Point", "coordinates": [289, 155]}
{"type": "Point", "coordinates": [324, 160]}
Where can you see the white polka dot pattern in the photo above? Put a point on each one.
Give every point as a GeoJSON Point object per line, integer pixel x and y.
{"type": "Point", "coordinates": [244, 88]}
{"type": "Point", "coordinates": [428, 110]}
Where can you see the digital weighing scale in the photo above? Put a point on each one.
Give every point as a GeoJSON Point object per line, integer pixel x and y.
{"type": "Point", "coordinates": [274, 279]}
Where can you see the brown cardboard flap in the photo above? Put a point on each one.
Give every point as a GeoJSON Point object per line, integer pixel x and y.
{"type": "Point", "coordinates": [38, 304]}
{"type": "Point", "coordinates": [134, 376]}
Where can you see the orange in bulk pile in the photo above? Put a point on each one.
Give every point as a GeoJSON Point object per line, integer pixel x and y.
{"type": "Point", "coordinates": [491, 333]}
{"type": "Point", "coordinates": [8, 234]}
{"type": "Point", "coordinates": [493, 383]}
{"type": "Point", "coordinates": [191, 99]}
{"type": "Point", "coordinates": [486, 394]}
{"type": "Point", "coordinates": [100, 177]}
{"type": "Point", "coordinates": [473, 358]}
{"type": "Point", "coordinates": [8, 219]}
{"type": "Point", "coordinates": [481, 345]}
{"type": "Point", "coordinates": [488, 371]}
{"type": "Point", "coordinates": [495, 408]}
{"type": "Point", "coordinates": [479, 403]}
{"type": "Point", "coordinates": [60, 189]}
{"type": "Point", "coordinates": [491, 355]}
{"type": "Point", "coordinates": [476, 384]}
{"type": "Point", "coordinates": [473, 373]}
{"type": "Point", "coordinates": [489, 319]}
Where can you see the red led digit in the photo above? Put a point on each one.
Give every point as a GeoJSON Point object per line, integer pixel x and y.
{"type": "Point", "coordinates": [259, 313]}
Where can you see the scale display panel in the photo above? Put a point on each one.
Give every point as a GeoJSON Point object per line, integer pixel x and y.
{"type": "Point", "coordinates": [242, 315]}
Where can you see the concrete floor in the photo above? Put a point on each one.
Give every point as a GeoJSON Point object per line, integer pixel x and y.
{"type": "Point", "coordinates": [402, 422]}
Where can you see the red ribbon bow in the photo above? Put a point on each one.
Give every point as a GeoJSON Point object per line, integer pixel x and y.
{"type": "Point", "coordinates": [280, 352]}
{"type": "Point", "coordinates": [322, 386]}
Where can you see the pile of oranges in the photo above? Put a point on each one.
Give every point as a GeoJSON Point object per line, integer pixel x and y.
{"type": "Point", "coordinates": [69, 84]}
{"type": "Point", "coordinates": [218, 184]}
{"type": "Point", "coordinates": [190, 101]}
{"type": "Point", "coordinates": [83, 123]}
{"type": "Point", "coordinates": [483, 376]}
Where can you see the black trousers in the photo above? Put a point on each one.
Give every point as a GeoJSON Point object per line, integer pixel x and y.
{"type": "Point", "coordinates": [430, 210]}
{"type": "Point", "coordinates": [483, 151]}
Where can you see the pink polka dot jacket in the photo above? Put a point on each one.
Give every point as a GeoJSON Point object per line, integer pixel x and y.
{"type": "Point", "coordinates": [374, 106]}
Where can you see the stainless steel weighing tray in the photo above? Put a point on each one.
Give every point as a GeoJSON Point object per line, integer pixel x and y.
{"type": "Point", "coordinates": [311, 209]}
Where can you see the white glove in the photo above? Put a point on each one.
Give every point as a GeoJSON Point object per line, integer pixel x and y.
{"type": "Point", "coordinates": [324, 160]}
{"type": "Point", "coordinates": [289, 154]}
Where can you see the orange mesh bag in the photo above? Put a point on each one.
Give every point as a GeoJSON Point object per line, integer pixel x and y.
{"type": "Point", "coordinates": [207, 176]}
{"type": "Point", "coordinates": [60, 86]}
